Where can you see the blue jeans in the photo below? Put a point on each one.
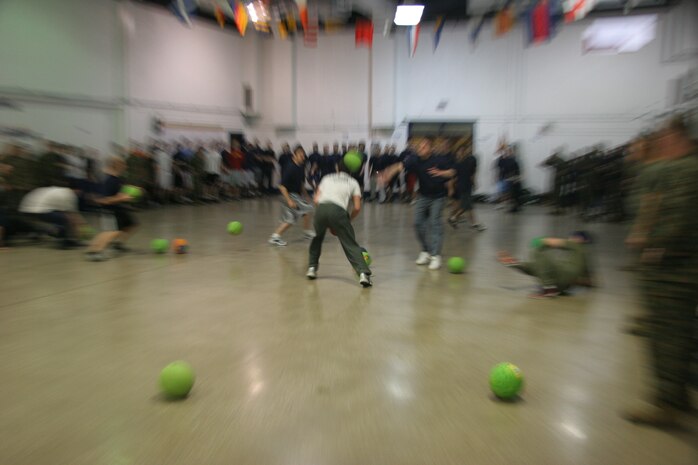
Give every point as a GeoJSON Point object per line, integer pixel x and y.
{"type": "Point", "coordinates": [428, 224]}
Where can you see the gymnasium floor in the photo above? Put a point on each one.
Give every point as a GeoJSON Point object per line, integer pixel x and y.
{"type": "Point", "coordinates": [303, 373]}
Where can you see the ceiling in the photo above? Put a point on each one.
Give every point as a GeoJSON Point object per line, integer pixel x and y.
{"type": "Point", "coordinates": [382, 10]}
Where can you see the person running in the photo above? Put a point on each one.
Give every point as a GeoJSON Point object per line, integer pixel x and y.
{"type": "Point", "coordinates": [556, 272]}
{"type": "Point", "coordinates": [466, 169]}
{"type": "Point", "coordinates": [292, 189]}
{"type": "Point", "coordinates": [433, 172]}
{"type": "Point", "coordinates": [333, 197]}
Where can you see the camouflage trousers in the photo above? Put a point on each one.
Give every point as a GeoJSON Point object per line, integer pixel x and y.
{"type": "Point", "coordinates": [670, 301]}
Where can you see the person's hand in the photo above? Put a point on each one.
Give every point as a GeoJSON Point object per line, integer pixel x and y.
{"type": "Point", "coordinates": [636, 241]}
{"type": "Point", "coordinates": [652, 256]}
{"type": "Point", "coordinates": [292, 204]}
{"type": "Point", "coordinates": [437, 173]}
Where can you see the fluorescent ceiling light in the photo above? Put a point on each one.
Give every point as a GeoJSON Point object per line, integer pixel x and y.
{"type": "Point", "coordinates": [408, 15]}
{"type": "Point", "coordinates": [252, 12]}
{"type": "Point", "coordinates": [620, 35]}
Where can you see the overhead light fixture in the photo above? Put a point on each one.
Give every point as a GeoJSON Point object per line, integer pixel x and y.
{"type": "Point", "coordinates": [252, 12]}
{"type": "Point", "coordinates": [408, 15]}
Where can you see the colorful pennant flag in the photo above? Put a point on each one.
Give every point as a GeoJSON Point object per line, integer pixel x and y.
{"type": "Point", "coordinates": [363, 33]}
{"type": "Point", "coordinates": [281, 30]}
{"type": "Point", "coordinates": [182, 9]}
{"type": "Point", "coordinates": [478, 28]}
{"type": "Point", "coordinates": [504, 20]}
{"type": "Point", "coordinates": [310, 29]}
{"type": "Point", "coordinates": [291, 22]}
{"type": "Point", "coordinates": [241, 18]}
{"type": "Point", "coordinates": [220, 16]}
{"type": "Point", "coordinates": [438, 27]}
{"type": "Point", "coordinates": [412, 39]}
{"type": "Point", "coordinates": [331, 26]}
{"type": "Point", "coordinates": [575, 10]}
{"type": "Point", "coordinates": [540, 22]}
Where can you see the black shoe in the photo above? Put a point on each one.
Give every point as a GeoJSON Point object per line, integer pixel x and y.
{"type": "Point", "coordinates": [69, 244]}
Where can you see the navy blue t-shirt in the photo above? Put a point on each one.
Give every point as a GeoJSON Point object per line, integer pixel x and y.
{"type": "Point", "coordinates": [465, 170]}
{"type": "Point", "coordinates": [429, 186]}
{"type": "Point", "coordinates": [314, 159]}
{"type": "Point", "coordinates": [110, 187]}
{"type": "Point", "coordinates": [293, 178]}
{"type": "Point", "coordinates": [284, 160]}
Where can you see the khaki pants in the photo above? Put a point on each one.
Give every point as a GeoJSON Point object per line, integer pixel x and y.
{"type": "Point", "coordinates": [331, 216]}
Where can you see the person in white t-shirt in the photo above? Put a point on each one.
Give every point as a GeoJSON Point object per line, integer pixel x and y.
{"type": "Point", "coordinates": [333, 197]}
{"type": "Point", "coordinates": [213, 172]}
{"type": "Point", "coordinates": [57, 206]}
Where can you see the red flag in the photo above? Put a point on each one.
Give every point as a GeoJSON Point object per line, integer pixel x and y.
{"type": "Point", "coordinates": [220, 16]}
{"type": "Point", "coordinates": [364, 33]}
{"type": "Point", "coordinates": [540, 22]}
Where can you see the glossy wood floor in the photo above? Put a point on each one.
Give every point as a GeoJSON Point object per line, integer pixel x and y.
{"type": "Point", "coordinates": [292, 372]}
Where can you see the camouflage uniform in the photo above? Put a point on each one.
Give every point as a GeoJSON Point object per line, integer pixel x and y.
{"type": "Point", "coordinates": [670, 286]}
{"type": "Point", "coordinates": [560, 267]}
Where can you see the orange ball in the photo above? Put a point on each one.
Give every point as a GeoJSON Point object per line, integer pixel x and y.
{"type": "Point", "coordinates": [180, 246]}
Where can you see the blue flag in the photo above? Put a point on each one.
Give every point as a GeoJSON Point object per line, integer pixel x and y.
{"type": "Point", "coordinates": [439, 26]}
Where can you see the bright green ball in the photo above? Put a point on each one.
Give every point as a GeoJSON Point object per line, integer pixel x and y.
{"type": "Point", "coordinates": [506, 380]}
{"type": "Point", "coordinates": [160, 245]}
{"type": "Point", "coordinates": [132, 191]}
{"type": "Point", "coordinates": [455, 265]}
{"type": "Point", "coordinates": [235, 228]}
{"type": "Point", "coordinates": [352, 160]}
{"type": "Point", "coordinates": [367, 256]}
{"type": "Point", "coordinates": [177, 379]}
{"type": "Point", "coordinates": [537, 242]}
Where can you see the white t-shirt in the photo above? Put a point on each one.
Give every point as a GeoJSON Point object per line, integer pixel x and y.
{"type": "Point", "coordinates": [213, 162]}
{"type": "Point", "coordinates": [338, 188]}
{"type": "Point", "coordinates": [49, 199]}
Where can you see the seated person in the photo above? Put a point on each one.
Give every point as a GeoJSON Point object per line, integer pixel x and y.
{"type": "Point", "coordinates": [558, 264]}
{"type": "Point", "coordinates": [56, 207]}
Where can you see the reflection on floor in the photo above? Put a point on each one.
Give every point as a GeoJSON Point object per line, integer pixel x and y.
{"type": "Point", "coordinates": [297, 372]}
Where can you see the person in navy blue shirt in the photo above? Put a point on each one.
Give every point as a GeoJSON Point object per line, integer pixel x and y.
{"type": "Point", "coordinates": [466, 169]}
{"type": "Point", "coordinates": [433, 172]}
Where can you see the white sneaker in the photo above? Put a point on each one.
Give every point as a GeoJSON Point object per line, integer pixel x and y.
{"type": "Point", "coordinates": [435, 262]}
{"type": "Point", "coordinates": [312, 273]}
{"type": "Point", "coordinates": [309, 234]}
{"type": "Point", "coordinates": [423, 258]}
{"type": "Point", "coordinates": [365, 280]}
{"type": "Point", "coordinates": [276, 240]}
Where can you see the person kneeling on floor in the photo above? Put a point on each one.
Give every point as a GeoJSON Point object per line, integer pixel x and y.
{"type": "Point", "coordinates": [558, 264]}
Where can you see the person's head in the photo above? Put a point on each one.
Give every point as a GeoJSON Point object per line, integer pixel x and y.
{"type": "Point", "coordinates": [235, 144]}
{"type": "Point", "coordinates": [424, 148]}
{"type": "Point", "coordinates": [326, 149]}
{"type": "Point", "coordinates": [315, 147]}
{"type": "Point", "coordinates": [392, 150]}
{"type": "Point", "coordinates": [674, 139]}
{"type": "Point", "coordinates": [115, 165]}
{"type": "Point", "coordinates": [376, 150]}
{"type": "Point", "coordinates": [285, 147]}
{"type": "Point", "coordinates": [298, 155]}
{"type": "Point", "coordinates": [335, 147]}
{"type": "Point", "coordinates": [362, 146]}
{"type": "Point", "coordinates": [344, 148]}
{"type": "Point", "coordinates": [581, 237]}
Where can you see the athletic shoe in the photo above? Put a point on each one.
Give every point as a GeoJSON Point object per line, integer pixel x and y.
{"type": "Point", "coordinates": [653, 415]}
{"type": "Point", "coordinates": [365, 280]}
{"type": "Point", "coordinates": [309, 234]}
{"type": "Point", "coordinates": [423, 258]}
{"type": "Point", "coordinates": [276, 240]}
{"type": "Point", "coordinates": [453, 222]}
{"type": "Point", "coordinates": [312, 273]}
{"type": "Point", "coordinates": [435, 262]}
{"type": "Point", "coordinates": [95, 257]}
{"type": "Point", "coordinates": [479, 227]}
{"type": "Point", "coordinates": [545, 292]}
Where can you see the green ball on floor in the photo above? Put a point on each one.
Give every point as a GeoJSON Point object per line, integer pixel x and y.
{"type": "Point", "coordinates": [537, 242]}
{"type": "Point", "coordinates": [455, 265]}
{"type": "Point", "coordinates": [352, 160]}
{"type": "Point", "coordinates": [160, 245]}
{"type": "Point", "coordinates": [177, 379]}
{"type": "Point", "coordinates": [506, 380]}
{"type": "Point", "coordinates": [234, 228]}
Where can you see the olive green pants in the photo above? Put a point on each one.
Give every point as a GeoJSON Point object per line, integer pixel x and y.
{"type": "Point", "coordinates": [331, 216]}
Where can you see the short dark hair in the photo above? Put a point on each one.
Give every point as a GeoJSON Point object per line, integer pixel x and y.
{"type": "Point", "coordinates": [584, 235]}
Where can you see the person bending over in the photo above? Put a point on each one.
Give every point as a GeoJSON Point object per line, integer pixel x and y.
{"type": "Point", "coordinates": [558, 264]}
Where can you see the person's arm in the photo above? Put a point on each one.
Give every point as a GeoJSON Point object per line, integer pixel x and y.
{"type": "Point", "coordinates": [357, 206]}
{"type": "Point", "coordinates": [554, 242]}
{"type": "Point", "coordinates": [448, 174]}
{"type": "Point", "coordinates": [287, 197]}
{"type": "Point", "coordinates": [389, 172]}
{"type": "Point", "coordinates": [316, 197]}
